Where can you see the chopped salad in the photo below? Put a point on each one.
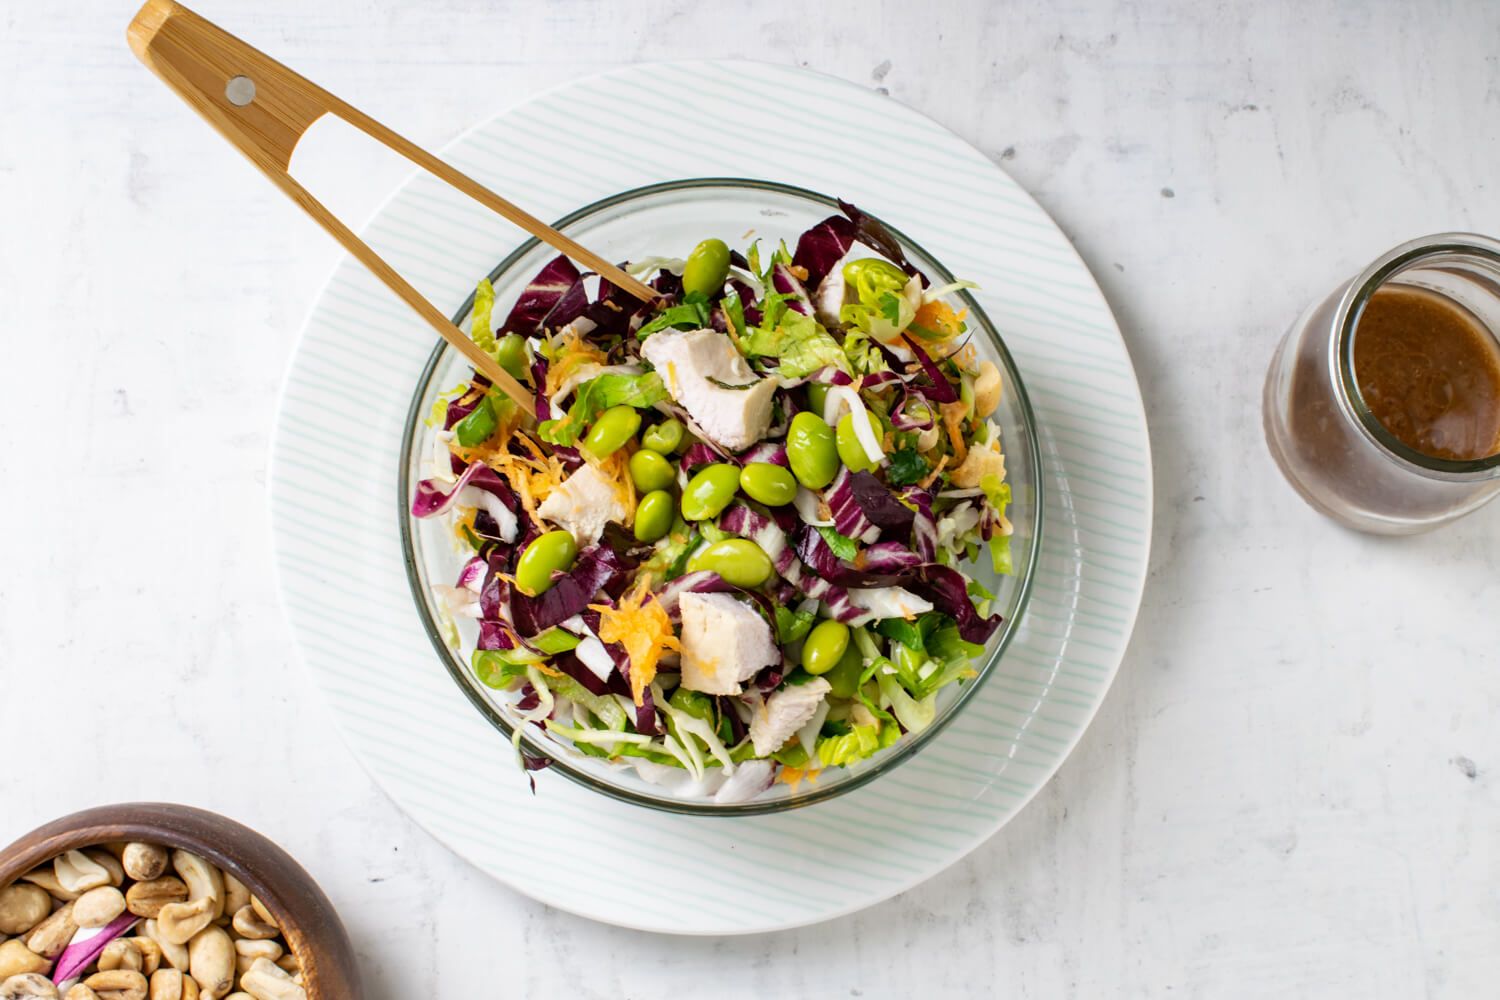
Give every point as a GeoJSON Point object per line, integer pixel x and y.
{"type": "Point", "coordinates": [727, 547]}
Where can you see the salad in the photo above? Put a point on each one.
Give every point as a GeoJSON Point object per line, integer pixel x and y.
{"type": "Point", "coordinates": [728, 546]}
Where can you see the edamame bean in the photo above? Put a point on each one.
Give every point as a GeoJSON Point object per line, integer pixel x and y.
{"type": "Point", "coordinates": [510, 352]}
{"type": "Point", "coordinates": [739, 561]}
{"type": "Point", "coordinates": [650, 471]}
{"type": "Point", "coordinates": [771, 484]}
{"type": "Point", "coordinates": [710, 491]}
{"type": "Point", "coordinates": [707, 267]}
{"type": "Point", "coordinates": [825, 646]}
{"type": "Point", "coordinates": [664, 438]}
{"type": "Point", "coordinates": [843, 679]}
{"type": "Point", "coordinates": [611, 430]}
{"type": "Point", "coordinates": [554, 551]}
{"type": "Point", "coordinates": [817, 396]}
{"type": "Point", "coordinates": [850, 450]}
{"type": "Point", "coordinates": [653, 516]}
{"type": "Point", "coordinates": [476, 428]}
{"type": "Point", "coordinates": [694, 703]}
{"type": "Point", "coordinates": [811, 451]}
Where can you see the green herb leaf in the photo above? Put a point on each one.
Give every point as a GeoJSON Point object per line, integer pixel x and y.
{"type": "Point", "coordinates": [842, 545]}
{"type": "Point", "coordinates": [793, 626]}
{"type": "Point", "coordinates": [597, 395]}
{"type": "Point", "coordinates": [907, 467]}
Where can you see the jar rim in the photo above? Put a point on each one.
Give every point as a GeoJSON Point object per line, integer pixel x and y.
{"type": "Point", "coordinates": [1346, 317]}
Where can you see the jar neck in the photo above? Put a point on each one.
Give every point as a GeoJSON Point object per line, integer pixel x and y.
{"type": "Point", "coordinates": [1467, 254]}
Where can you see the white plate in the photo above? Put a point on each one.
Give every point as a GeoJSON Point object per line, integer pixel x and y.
{"type": "Point", "coordinates": [335, 508]}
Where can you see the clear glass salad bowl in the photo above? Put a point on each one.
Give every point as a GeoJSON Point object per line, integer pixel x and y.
{"type": "Point", "coordinates": [667, 219]}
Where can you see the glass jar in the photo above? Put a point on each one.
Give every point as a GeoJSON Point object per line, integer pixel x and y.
{"type": "Point", "coordinates": [1332, 449]}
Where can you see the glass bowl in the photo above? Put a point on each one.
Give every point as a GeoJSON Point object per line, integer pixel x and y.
{"type": "Point", "coordinates": [670, 219]}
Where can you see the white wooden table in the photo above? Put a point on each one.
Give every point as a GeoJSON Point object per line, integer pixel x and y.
{"type": "Point", "coordinates": [1292, 789]}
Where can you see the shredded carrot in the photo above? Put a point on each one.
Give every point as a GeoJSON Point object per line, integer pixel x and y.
{"type": "Point", "coordinates": [794, 776]}
{"type": "Point", "coordinates": [939, 317]}
{"type": "Point", "coordinates": [953, 419]}
{"type": "Point", "coordinates": [640, 624]}
{"type": "Point", "coordinates": [572, 353]}
{"type": "Point", "coordinates": [937, 470]}
{"type": "Point", "coordinates": [616, 468]}
{"type": "Point", "coordinates": [532, 478]}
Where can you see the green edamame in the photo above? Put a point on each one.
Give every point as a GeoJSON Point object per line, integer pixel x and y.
{"type": "Point", "coordinates": [549, 553]}
{"type": "Point", "coordinates": [476, 428]}
{"type": "Point", "coordinates": [710, 491]}
{"type": "Point", "coordinates": [510, 352]}
{"type": "Point", "coordinates": [771, 484]}
{"type": "Point", "coordinates": [707, 267]}
{"type": "Point", "coordinates": [843, 679]}
{"type": "Point", "coordinates": [811, 450]}
{"type": "Point", "coordinates": [664, 438]}
{"type": "Point", "coordinates": [612, 429]}
{"type": "Point", "coordinates": [650, 471]}
{"type": "Point", "coordinates": [825, 646]}
{"type": "Point", "coordinates": [850, 450]}
{"type": "Point", "coordinates": [694, 703]}
{"type": "Point", "coordinates": [738, 560]}
{"type": "Point", "coordinates": [653, 516]}
{"type": "Point", "coordinates": [817, 396]}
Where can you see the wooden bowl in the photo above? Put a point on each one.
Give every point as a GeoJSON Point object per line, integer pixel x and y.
{"type": "Point", "coordinates": [309, 924]}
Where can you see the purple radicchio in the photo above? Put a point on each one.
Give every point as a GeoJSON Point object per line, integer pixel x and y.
{"type": "Point", "coordinates": [948, 591]}
{"type": "Point", "coordinates": [823, 246]}
{"type": "Point", "coordinates": [554, 298]}
{"type": "Point", "coordinates": [598, 568]}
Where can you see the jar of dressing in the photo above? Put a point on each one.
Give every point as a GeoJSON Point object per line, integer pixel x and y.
{"type": "Point", "coordinates": [1382, 405]}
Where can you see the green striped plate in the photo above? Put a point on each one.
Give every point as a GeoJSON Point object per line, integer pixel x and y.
{"type": "Point", "coordinates": [336, 454]}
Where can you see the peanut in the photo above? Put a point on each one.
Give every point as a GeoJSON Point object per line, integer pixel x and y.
{"type": "Point", "coordinates": [98, 907]}
{"type": "Point", "coordinates": [28, 986]}
{"type": "Point", "coordinates": [46, 877]}
{"type": "Point", "coordinates": [150, 953]}
{"type": "Point", "coordinates": [17, 959]}
{"type": "Point", "coordinates": [121, 953]}
{"type": "Point", "coordinates": [211, 962]}
{"type": "Point", "coordinates": [119, 984]}
{"type": "Point", "coordinates": [80, 992]}
{"type": "Point", "coordinates": [22, 907]}
{"type": "Point", "coordinates": [145, 899]}
{"type": "Point", "coordinates": [171, 984]}
{"type": "Point", "coordinates": [144, 862]}
{"type": "Point", "coordinates": [51, 936]}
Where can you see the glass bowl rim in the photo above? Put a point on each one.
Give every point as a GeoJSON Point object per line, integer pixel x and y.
{"type": "Point", "coordinates": [886, 760]}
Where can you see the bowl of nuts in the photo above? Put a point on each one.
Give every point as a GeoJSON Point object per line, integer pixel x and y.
{"type": "Point", "coordinates": [153, 901]}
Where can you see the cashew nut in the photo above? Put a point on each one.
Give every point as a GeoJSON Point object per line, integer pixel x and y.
{"type": "Point", "coordinates": [247, 924]}
{"type": "Point", "coordinates": [178, 922]}
{"type": "Point", "coordinates": [22, 907]}
{"type": "Point", "coordinates": [16, 959]}
{"type": "Point", "coordinates": [211, 962]}
{"type": "Point", "coordinates": [264, 912]}
{"type": "Point", "coordinates": [150, 953]}
{"type": "Point", "coordinates": [119, 984]}
{"type": "Point", "coordinates": [80, 992]}
{"type": "Point", "coordinates": [235, 894]}
{"type": "Point", "coordinates": [98, 907]}
{"type": "Point", "coordinates": [291, 965]}
{"type": "Point", "coordinates": [104, 859]}
{"type": "Point", "coordinates": [121, 953]}
{"type": "Point", "coordinates": [174, 954]}
{"type": "Point", "coordinates": [28, 986]}
{"type": "Point", "coordinates": [77, 872]}
{"type": "Point", "coordinates": [144, 862]}
{"type": "Point", "coordinates": [986, 389]}
{"type": "Point", "coordinates": [237, 995]}
{"type": "Point", "coordinates": [258, 949]}
{"type": "Point", "coordinates": [265, 981]}
{"type": "Point", "coordinates": [51, 936]}
{"type": "Point", "coordinates": [145, 899]}
{"type": "Point", "coordinates": [46, 877]}
{"type": "Point", "coordinates": [204, 881]}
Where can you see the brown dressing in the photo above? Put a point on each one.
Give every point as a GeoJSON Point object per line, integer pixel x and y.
{"type": "Point", "coordinates": [1430, 373]}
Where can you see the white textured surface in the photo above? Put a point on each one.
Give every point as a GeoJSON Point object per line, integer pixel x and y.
{"type": "Point", "coordinates": [1291, 789]}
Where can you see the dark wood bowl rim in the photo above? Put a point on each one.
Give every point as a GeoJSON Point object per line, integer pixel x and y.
{"type": "Point", "coordinates": [309, 923]}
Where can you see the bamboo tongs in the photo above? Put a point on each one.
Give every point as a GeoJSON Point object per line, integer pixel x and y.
{"type": "Point", "coordinates": [263, 109]}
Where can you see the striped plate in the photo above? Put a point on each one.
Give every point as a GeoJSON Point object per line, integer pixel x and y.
{"type": "Point", "coordinates": [336, 454]}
